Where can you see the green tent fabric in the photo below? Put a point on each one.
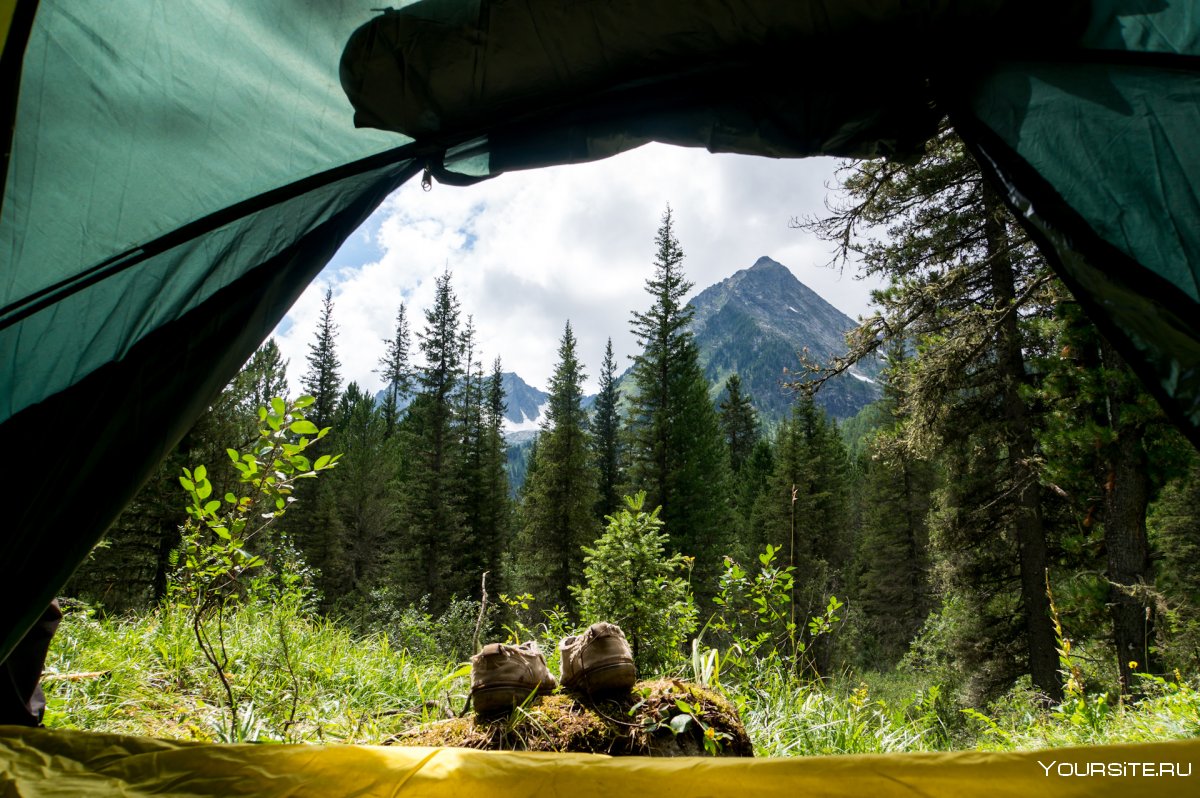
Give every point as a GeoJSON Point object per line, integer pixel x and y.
{"type": "Point", "coordinates": [1098, 153]}
{"type": "Point", "coordinates": [175, 174]}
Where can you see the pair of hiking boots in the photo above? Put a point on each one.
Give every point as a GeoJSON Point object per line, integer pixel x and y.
{"type": "Point", "coordinates": [597, 661]}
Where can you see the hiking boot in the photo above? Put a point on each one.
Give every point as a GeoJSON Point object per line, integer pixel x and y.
{"type": "Point", "coordinates": [599, 660]}
{"type": "Point", "coordinates": [504, 676]}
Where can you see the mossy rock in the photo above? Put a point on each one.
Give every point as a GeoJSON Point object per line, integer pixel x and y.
{"type": "Point", "coordinates": [648, 721]}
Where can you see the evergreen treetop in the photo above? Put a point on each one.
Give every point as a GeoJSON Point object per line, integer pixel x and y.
{"type": "Point", "coordinates": [606, 445]}
{"type": "Point", "coordinates": [396, 369]}
{"type": "Point", "coordinates": [675, 449]}
{"type": "Point", "coordinates": [323, 380]}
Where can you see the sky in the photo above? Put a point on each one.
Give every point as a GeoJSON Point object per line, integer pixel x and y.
{"type": "Point", "coordinates": [529, 251]}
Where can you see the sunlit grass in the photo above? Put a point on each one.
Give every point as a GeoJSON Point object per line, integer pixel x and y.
{"type": "Point", "coordinates": [346, 688]}
{"type": "Point", "coordinates": [349, 688]}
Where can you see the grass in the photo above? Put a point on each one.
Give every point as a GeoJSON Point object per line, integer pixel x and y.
{"type": "Point", "coordinates": [351, 689]}
{"type": "Point", "coordinates": [342, 687]}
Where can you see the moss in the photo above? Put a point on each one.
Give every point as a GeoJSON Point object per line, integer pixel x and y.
{"type": "Point", "coordinates": [638, 723]}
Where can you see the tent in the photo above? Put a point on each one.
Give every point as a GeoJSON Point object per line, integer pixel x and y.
{"type": "Point", "coordinates": [174, 174]}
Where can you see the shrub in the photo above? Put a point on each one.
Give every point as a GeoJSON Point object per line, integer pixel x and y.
{"type": "Point", "coordinates": [632, 582]}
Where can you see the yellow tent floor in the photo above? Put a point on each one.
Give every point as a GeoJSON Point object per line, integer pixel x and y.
{"type": "Point", "coordinates": [39, 763]}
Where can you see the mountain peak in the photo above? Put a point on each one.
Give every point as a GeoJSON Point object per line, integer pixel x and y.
{"type": "Point", "coordinates": [757, 320]}
{"type": "Point", "coordinates": [764, 263]}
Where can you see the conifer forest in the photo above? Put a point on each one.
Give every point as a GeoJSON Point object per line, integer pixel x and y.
{"type": "Point", "coordinates": [1002, 551]}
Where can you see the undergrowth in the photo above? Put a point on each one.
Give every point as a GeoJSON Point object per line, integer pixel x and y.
{"type": "Point", "coordinates": [146, 675]}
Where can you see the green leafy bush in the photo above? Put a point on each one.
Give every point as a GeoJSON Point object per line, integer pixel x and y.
{"type": "Point", "coordinates": [631, 581]}
{"type": "Point", "coordinates": [227, 553]}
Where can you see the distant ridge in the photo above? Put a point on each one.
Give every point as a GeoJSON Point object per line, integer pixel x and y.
{"type": "Point", "coordinates": [754, 322]}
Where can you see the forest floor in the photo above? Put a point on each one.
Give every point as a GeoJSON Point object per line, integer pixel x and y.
{"type": "Point", "coordinates": [145, 675]}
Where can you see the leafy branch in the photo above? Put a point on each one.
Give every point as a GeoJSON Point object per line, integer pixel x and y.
{"type": "Point", "coordinates": [215, 552]}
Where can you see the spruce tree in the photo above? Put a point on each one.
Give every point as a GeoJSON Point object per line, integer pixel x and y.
{"type": "Point", "coordinates": [396, 371]}
{"type": "Point", "coordinates": [966, 290]}
{"type": "Point", "coordinates": [606, 446]}
{"type": "Point", "coordinates": [739, 422]}
{"type": "Point", "coordinates": [892, 580]}
{"type": "Point", "coordinates": [492, 523]}
{"type": "Point", "coordinates": [1108, 450]}
{"type": "Point", "coordinates": [473, 431]}
{"type": "Point", "coordinates": [748, 473]}
{"type": "Point", "coordinates": [675, 450]}
{"type": "Point", "coordinates": [322, 380]}
{"type": "Point", "coordinates": [365, 499]}
{"type": "Point", "coordinates": [805, 512]}
{"type": "Point", "coordinates": [558, 511]}
{"type": "Point", "coordinates": [434, 530]}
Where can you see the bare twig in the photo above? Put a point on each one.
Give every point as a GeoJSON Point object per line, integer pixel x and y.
{"type": "Point", "coordinates": [483, 598]}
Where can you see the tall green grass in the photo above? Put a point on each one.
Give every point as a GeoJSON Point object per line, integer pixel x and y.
{"type": "Point", "coordinates": [340, 687]}
{"type": "Point", "coordinates": [343, 687]}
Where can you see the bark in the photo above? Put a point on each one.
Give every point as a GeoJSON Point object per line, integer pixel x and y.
{"type": "Point", "coordinates": [1126, 497]}
{"type": "Point", "coordinates": [1027, 517]}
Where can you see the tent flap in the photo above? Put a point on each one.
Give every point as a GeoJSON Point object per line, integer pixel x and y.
{"type": "Point", "coordinates": [1098, 154]}
{"type": "Point", "coordinates": [569, 81]}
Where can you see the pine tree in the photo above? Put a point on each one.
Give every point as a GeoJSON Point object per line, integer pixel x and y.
{"type": "Point", "coordinates": [675, 450]}
{"type": "Point", "coordinates": [262, 378]}
{"type": "Point", "coordinates": [1108, 450]}
{"type": "Point", "coordinates": [396, 371]}
{"type": "Point", "coordinates": [473, 431]}
{"type": "Point", "coordinates": [805, 512]}
{"type": "Point", "coordinates": [561, 495]}
{"type": "Point", "coordinates": [434, 529]}
{"type": "Point", "coordinates": [739, 422]}
{"type": "Point", "coordinates": [606, 447]}
{"type": "Point", "coordinates": [322, 381]}
{"type": "Point", "coordinates": [892, 579]}
{"type": "Point", "coordinates": [965, 285]}
{"type": "Point", "coordinates": [749, 459]}
{"type": "Point", "coordinates": [492, 525]}
{"type": "Point", "coordinates": [365, 499]}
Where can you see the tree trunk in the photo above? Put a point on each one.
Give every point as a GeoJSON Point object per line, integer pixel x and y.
{"type": "Point", "coordinates": [1027, 516]}
{"type": "Point", "coordinates": [1126, 496]}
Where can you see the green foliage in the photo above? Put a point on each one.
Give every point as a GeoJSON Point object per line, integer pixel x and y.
{"type": "Point", "coordinates": [130, 572]}
{"type": "Point", "coordinates": [434, 533]}
{"type": "Point", "coordinates": [1174, 526]}
{"type": "Point", "coordinates": [674, 439]}
{"type": "Point", "coordinates": [340, 688]}
{"type": "Point", "coordinates": [607, 455]}
{"type": "Point", "coordinates": [364, 689]}
{"type": "Point", "coordinates": [559, 496]}
{"type": "Point", "coordinates": [323, 380]}
{"type": "Point", "coordinates": [891, 568]}
{"type": "Point", "coordinates": [217, 555]}
{"type": "Point", "coordinates": [631, 581]}
{"type": "Point", "coordinates": [739, 423]}
{"type": "Point", "coordinates": [396, 371]}
{"type": "Point", "coordinates": [490, 511]}
{"type": "Point", "coordinates": [446, 636]}
{"type": "Point", "coordinates": [757, 617]}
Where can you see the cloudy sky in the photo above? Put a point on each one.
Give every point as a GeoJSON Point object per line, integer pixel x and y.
{"type": "Point", "coordinates": [529, 250]}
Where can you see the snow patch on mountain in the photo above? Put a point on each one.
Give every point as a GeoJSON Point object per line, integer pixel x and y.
{"type": "Point", "coordinates": [525, 423]}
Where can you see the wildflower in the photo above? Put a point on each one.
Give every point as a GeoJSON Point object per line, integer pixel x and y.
{"type": "Point", "coordinates": [1132, 664]}
{"type": "Point", "coordinates": [710, 733]}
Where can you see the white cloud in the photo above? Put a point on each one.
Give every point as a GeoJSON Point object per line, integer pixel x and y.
{"type": "Point", "coordinates": [529, 250]}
